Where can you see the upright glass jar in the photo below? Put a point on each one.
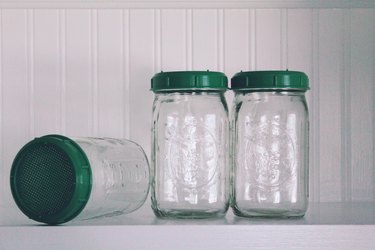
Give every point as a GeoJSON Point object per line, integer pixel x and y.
{"type": "Point", "coordinates": [55, 179]}
{"type": "Point", "coordinates": [190, 137]}
{"type": "Point", "coordinates": [270, 131]}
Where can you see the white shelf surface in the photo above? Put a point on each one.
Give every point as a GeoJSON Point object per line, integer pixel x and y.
{"type": "Point", "coordinates": [346, 225]}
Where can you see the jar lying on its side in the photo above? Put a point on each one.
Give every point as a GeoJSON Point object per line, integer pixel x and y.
{"type": "Point", "coordinates": [270, 130]}
{"type": "Point", "coordinates": [55, 179]}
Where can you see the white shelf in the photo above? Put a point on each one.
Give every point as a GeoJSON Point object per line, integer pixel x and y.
{"type": "Point", "coordinates": [325, 226]}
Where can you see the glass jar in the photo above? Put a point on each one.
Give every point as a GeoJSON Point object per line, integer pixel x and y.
{"type": "Point", "coordinates": [190, 137]}
{"type": "Point", "coordinates": [270, 130]}
{"type": "Point", "coordinates": [55, 179]}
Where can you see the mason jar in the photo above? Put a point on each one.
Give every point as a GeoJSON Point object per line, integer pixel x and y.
{"type": "Point", "coordinates": [270, 138]}
{"type": "Point", "coordinates": [190, 145]}
{"type": "Point", "coordinates": [55, 179]}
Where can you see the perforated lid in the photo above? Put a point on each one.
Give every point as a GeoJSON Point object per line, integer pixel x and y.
{"type": "Point", "coordinates": [51, 179]}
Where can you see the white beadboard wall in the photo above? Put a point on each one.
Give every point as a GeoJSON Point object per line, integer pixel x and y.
{"type": "Point", "coordinates": [87, 71]}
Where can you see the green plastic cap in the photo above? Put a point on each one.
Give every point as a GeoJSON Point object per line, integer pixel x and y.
{"type": "Point", "coordinates": [270, 80]}
{"type": "Point", "coordinates": [51, 179]}
{"type": "Point", "coordinates": [189, 81]}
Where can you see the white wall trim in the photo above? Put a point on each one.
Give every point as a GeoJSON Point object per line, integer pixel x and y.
{"type": "Point", "coordinates": [152, 4]}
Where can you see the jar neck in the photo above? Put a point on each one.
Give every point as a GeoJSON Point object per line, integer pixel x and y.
{"type": "Point", "coordinates": [189, 95]}
{"type": "Point", "coordinates": [193, 92]}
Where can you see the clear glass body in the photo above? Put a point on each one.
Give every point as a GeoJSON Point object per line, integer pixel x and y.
{"type": "Point", "coordinates": [120, 176]}
{"type": "Point", "coordinates": [190, 155]}
{"type": "Point", "coordinates": [270, 154]}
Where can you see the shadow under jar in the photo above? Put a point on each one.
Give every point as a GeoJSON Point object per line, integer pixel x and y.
{"type": "Point", "coordinates": [190, 145]}
{"type": "Point", "coordinates": [270, 146]}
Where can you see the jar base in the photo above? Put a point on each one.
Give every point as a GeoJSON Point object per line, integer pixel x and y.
{"type": "Point", "coordinates": [269, 213]}
{"type": "Point", "coordinates": [189, 213]}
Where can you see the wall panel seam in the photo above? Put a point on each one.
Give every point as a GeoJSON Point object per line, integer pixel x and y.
{"type": "Point", "coordinates": [189, 39]}
{"type": "Point", "coordinates": [29, 23]}
{"type": "Point", "coordinates": [346, 169]}
{"type": "Point", "coordinates": [93, 84]}
{"type": "Point", "coordinates": [220, 40]}
{"type": "Point", "coordinates": [125, 128]}
{"type": "Point", "coordinates": [62, 60]}
{"type": "Point", "coordinates": [284, 39]}
{"type": "Point", "coordinates": [373, 135]}
{"type": "Point", "coordinates": [315, 132]}
{"type": "Point", "coordinates": [158, 31]}
{"type": "Point", "coordinates": [2, 179]}
{"type": "Point", "coordinates": [252, 39]}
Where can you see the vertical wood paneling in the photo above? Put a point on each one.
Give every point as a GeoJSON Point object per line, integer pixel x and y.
{"type": "Point", "coordinates": [46, 72]}
{"type": "Point", "coordinates": [142, 69]}
{"type": "Point", "coordinates": [78, 65]}
{"type": "Point", "coordinates": [110, 78]}
{"type": "Point", "coordinates": [205, 44]}
{"type": "Point", "coordinates": [87, 72]}
{"type": "Point", "coordinates": [236, 40]}
{"type": "Point", "coordinates": [15, 89]}
{"type": "Point", "coordinates": [362, 103]}
{"type": "Point", "coordinates": [331, 73]}
{"type": "Point", "coordinates": [173, 40]}
{"type": "Point", "coordinates": [299, 40]}
{"type": "Point", "coordinates": [268, 39]}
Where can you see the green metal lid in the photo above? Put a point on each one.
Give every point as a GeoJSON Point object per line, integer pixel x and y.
{"type": "Point", "coordinates": [188, 81]}
{"type": "Point", "coordinates": [51, 179]}
{"type": "Point", "coordinates": [270, 80]}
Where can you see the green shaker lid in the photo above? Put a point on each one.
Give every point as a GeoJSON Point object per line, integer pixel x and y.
{"type": "Point", "coordinates": [270, 80]}
{"type": "Point", "coordinates": [189, 80]}
{"type": "Point", "coordinates": [51, 179]}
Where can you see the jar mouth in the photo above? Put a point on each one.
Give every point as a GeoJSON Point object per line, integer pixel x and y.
{"type": "Point", "coordinates": [51, 179]}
